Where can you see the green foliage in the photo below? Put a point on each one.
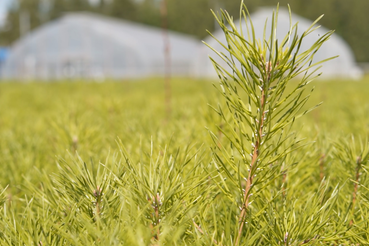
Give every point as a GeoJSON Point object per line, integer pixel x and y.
{"type": "Point", "coordinates": [126, 174]}
{"type": "Point", "coordinates": [258, 116]}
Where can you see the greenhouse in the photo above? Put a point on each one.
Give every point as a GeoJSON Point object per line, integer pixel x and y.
{"type": "Point", "coordinates": [85, 45]}
{"type": "Point", "coordinates": [342, 67]}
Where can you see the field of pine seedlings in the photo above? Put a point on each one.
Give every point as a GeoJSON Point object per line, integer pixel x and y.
{"type": "Point", "coordinates": [251, 159]}
{"type": "Point", "coordinates": [105, 164]}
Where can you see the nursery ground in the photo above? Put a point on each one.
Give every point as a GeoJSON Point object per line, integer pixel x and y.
{"type": "Point", "coordinates": [41, 122]}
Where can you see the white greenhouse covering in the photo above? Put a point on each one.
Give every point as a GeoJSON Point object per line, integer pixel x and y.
{"type": "Point", "coordinates": [343, 66]}
{"type": "Point", "coordinates": [83, 45]}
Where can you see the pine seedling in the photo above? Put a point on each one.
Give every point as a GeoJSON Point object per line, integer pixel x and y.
{"type": "Point", "coordinates": [166, 189]}
{"type": "Point", "coordinates": [263, 82]}
{"type": "Point", "coordinates": [353, 157]}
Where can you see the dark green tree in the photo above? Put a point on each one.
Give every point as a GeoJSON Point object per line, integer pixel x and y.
{"type": "Point", "coordinates": [190, 16]}
{"type": "Point", "coordinates": [123, 9]}
{"type": "Point", "coordinates": [148, 12]}
{"type": "Point", "coordinates": [25, 15]}
{"type": "Point", "coordinates": [60, 7]}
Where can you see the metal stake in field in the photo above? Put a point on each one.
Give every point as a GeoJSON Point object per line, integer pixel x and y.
{"type": "Point", "coordinates": [167, 62]}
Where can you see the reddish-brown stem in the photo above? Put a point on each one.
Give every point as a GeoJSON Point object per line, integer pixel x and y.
{"type": "Point", "coordinates": [201, 231]}
{"type": "Point", "coordinates": [74, 144]}
{"type": "Point", "coordinates": [157, 217]}
{"type": "Point", "coordinates": [220, 135]}
{"type": "Point", "coordinates": [98, 194]}
{"type": "Point", "coordinates": [356, 185]}
{"type": "Point", "coordinates": [98, 208]}
{"type": "Point", "coordinates": [309, 240]}
{"type": "Point", "coordinates": [286, 239]}
{"type": "Point", "coordinates": [249, 181]}
{"type": "Point", "coordinates": [198, 228]}
{"type": "Point", "coordinates": [155, 204]}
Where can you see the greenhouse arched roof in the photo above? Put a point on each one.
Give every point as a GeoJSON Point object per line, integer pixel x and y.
{"type": "Point", "coordinates": [84, 45]}
{"type": "Point", "coordinates": [343, 66]}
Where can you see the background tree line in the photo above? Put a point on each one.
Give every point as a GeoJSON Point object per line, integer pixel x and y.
{"type": "Point", "coordinates": [348, 18]}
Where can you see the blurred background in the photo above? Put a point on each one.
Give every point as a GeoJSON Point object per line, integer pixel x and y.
{"type": "Point", "coordinates": [115, 39]}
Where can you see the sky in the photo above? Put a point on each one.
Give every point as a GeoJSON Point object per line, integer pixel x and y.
{"type": "Point", "coordinates": [3, 7]}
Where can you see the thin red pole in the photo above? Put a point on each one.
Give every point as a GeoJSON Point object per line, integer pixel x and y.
{"type": "Point", "coordinates": [168, 90]}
